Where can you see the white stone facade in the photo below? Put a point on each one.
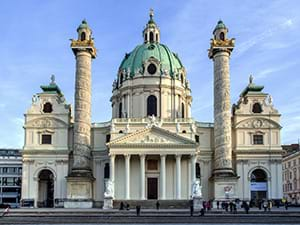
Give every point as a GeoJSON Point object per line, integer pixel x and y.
{"type": "Point", "coordinates": [139, 155]}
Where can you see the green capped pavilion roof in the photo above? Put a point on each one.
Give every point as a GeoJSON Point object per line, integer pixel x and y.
{"type": "Point", "coordinates": [220, 25]}
{"type": "Point", "coordinates": [52, 88]}
{"type": "Point", "coordinates": [83, 25]}
{"type": "Point", "coordinates": [252, 87]}
{"type": "Point", "coordinates": [134, 60]}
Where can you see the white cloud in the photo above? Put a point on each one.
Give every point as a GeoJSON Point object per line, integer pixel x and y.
{"type": "Point", "coordinates": [267, 34]}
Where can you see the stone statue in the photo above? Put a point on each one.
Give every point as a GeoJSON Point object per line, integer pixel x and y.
{"type": "Point", "coordinates": [52, 79]}
{"type": "Point", "coordinates": [109, 189]}
{"type": "Point", "coordinates": [112, 127]}
{"type": "Point", "coordinates": [34, 99]}
{"type": "Point", "coordinates": [193, 127]}
{"type": "Point", "coordinates": [196, 189]}
{"type": "Point", "coordinates": [250, 79]}
{"type": "Point", "coordinates": [127, 128]}
{"type": "Point", "coordinates": [178, 127]}
{"type": "Point", "coordinates": [270, 100]}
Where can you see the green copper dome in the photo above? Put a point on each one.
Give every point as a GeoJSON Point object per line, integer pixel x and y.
{"type": "Point", "coordinates": [135, 60]}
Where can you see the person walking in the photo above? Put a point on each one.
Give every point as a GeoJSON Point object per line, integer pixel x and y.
{"type": "Point", "coordinates": [157, 205]}
{"type": "Point", "coordinates": [265, 205]}
{"type": "Point", "coordinates": [138, 210]}
{"type": "Point", "coordinates": [270, 205]}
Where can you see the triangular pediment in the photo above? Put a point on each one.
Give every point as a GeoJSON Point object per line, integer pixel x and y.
{"type": "Point", "coordinates": [152, 136]}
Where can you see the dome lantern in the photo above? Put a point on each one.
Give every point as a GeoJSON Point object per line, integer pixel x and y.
{"type": "Point", "coordinates": [151, 33]}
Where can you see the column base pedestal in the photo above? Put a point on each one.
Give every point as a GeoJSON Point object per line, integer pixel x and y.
{"type": "Point", "coordinates": [79, 192]}
{"type": "Point", "coordinates": [225, 188]}
{"type": "Point", "coordinates": [108, 203]}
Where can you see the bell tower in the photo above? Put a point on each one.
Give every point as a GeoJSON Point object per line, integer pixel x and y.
{"type": "Point", "coordinates": [80, 179]}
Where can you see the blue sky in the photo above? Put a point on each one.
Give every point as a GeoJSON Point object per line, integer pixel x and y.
{"type": "Point", "coordinates": [35, 44]}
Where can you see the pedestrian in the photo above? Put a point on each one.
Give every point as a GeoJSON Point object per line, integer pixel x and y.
{"type": "Point", "coordinates": [218, 204]}
{"type": "Point", "coordinates": [138, 210]}
{"type": "Point", "coordinates": [286, 205]}
{"type": "Point", "coordinates": [127, 206]}
{"type": "Point", "coordinates": [202, 211]}
{"type": "Point", "coordinates": [157, 205]}
{"type": "Point", "coordinates": [204, 205]}
{"type": "Point", "coordinates": [191, 210]}
{"type": "Point", "coordinates": [231, 206]}
{"type": "Point", "coordinates": [246, 207]}
{"type": "Point", "coordinates": [226, 206]}
{"type": "Point", "coordinates": [270, 205]}
{"type": "Point", "coordinates": [121, 206]}
{"type": "Point", "coordinates": [234, 208]}
{"type": "Point", "coordinates": [265, 205]}
{"type": "Point", "coordinates": [6, 211]}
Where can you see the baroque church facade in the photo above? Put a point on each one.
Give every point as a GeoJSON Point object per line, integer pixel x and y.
{"type": "Point", "coordinates": [152, 148]}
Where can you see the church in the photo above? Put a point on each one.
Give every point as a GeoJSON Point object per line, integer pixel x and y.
{"type": "Point", "coordinates": [151, 149]}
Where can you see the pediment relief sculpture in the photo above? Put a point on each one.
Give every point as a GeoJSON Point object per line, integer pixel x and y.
{"type": "Point", "coordinates": [258, 123]}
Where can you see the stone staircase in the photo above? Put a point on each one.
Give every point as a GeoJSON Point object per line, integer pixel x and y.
{"type": "Point", "coordinates": [151, 204]}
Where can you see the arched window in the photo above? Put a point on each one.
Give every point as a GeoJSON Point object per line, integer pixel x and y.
{"type": "Point", "coordinates": [47, 108]}
{"type": "Point", "coordinates": [198, 171]}
{"type": "Point", "coordinates": [151, 106]}
{"type": "Point", "coordinates": [83, 36]}
{"type": "Point", "coordinates": [151, 36]}
{"type": "Point", "coordinates": [146, 37]}
{"type": "Point", "coordinates": [106, 171]}
{"type": "Point", "coordinates": [120, 110]}
{"type": "Point", "coordinates": [156, 37]}
{"type": "Point", "coordinates": [222, 36]}
{"type": "Point", "coordinates": [182, 110]}
{"type": "Point", "coordinates": [256, 108]}
{"type": "Point", "coordinates": [258, 175]}
{"type": "Point", "coordinates": [184, 131]}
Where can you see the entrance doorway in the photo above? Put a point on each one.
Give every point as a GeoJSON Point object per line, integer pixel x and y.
{"type": "Point", "coordinates": [152, 188]}
{"type": "Point", "coordinates": [258, 185]}
{"type": "Point", "coordinates": [46, 189]}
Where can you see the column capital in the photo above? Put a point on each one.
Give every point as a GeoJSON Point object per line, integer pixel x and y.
{"type": "Point", "coordinates": [178, 156]}
{"type": "Point", "coordinates": [127, 155]}
{"type": "Point", "coordinates": [163, 155]}
{"type": "Point", "coordinates": [142, 155]}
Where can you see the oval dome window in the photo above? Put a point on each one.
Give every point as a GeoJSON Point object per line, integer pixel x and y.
{"type": "Point", "coordinates": [151, 69]}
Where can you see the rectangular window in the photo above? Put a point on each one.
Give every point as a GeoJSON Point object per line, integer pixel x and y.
{"type": "Point", "coordinates": [152, 164]}
{"type": "Point", "coordinates": [107, 138]}
{"type": "Point", "coordinates": [258, 139]}
{"type": "Point", "coordinates": [197, 138]}
{"type": "Point", "coordinates": [46, 139]}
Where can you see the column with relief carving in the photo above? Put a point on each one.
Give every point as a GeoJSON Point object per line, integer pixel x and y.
{"type": "Point", "coordinates": [219, 52]}
{"type": "Point", "coordinates": [80, 180]}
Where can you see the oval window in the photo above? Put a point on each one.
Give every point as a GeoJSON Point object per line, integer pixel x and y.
{"type": "Point", "coordinates": [151, 69]}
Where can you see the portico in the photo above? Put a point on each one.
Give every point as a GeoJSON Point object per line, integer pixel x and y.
{"type": "Point", "coordinates": [141, 169]}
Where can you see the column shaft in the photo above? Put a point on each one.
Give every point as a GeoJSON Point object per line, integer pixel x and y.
{"type": "Point", "coordinates": [178, 176]}
{"type": "Point", "coordinates": [127, 176]}
{"type": "Point", "coordinates": [142, 171]}
{"type": "Point", "coordinates": [112, 168]}
{"type": "Point", "coordinates": [162, 176]}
